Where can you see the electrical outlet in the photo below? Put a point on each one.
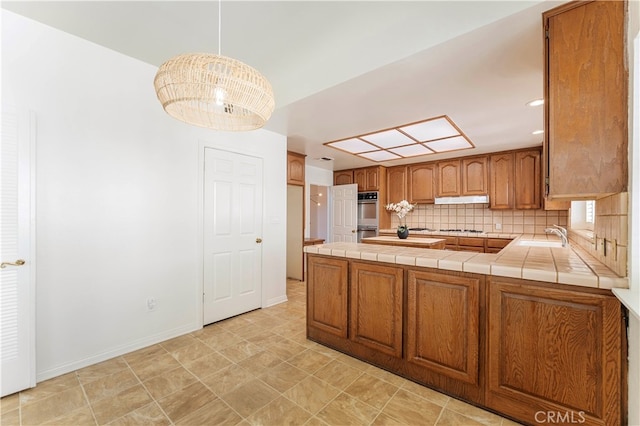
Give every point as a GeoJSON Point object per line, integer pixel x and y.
{"type": "Point", "coordinates": [498, 226]}
{"type": "Point", "coordinates": [151, 304]}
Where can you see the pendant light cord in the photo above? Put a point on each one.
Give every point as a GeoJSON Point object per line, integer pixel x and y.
{"type": "Point", "coordinates": [219, 27]}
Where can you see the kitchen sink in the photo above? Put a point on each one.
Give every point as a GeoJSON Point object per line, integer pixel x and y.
{"type": "Point", "coordinates": [539, 243]}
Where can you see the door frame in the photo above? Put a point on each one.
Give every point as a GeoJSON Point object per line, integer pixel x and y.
{"type": "Point", "coordinates": [199, 299]}
{"type": "Point", "coordinates": [33, 128]}
{"type": "Point", "coordinates": [27, 138]}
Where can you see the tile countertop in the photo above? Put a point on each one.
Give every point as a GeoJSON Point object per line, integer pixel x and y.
{"type": "Point", "coordinates": [570, 265]}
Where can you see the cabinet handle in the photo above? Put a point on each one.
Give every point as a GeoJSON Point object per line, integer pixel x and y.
{"type": "Point", "coordinates": [258, 240]}
{"type": "Point", "coordinates": [18, 262]}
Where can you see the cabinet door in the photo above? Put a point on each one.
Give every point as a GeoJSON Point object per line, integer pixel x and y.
{"type": "Point", "coordinates": [422, 183]}
{"type": "Point", "coordinates": [396, 184]}
{"type": "Point", "coordinates": [501, 181]}
{"type": "Point", "coordinates": [586, 99]}
{"type": "Point", "coordinates": [527, 180]}
{"type": "Point", "coordinates": [295, 168]}
{"type": "Point", "coordinates": [372, 179]}
{"type": "Point", "coordinates": [554, 350]}
{"type": "Point", "coordinates": [474, 176]}
{"type": "Point", "coordinates": [449, 178]}
{"type": "Point", "coordinates": [375, 318]}
{"type": "Point", "coordinates": [360, 177]}
{"type": "Point", "coordinates": [327, 295]}
{"type": "Point", "coordinates": [343, 177]}
{"type": "Point", "coordinates": [443, 324]}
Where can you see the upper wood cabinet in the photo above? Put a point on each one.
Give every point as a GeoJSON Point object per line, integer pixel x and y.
{"type": "Point", "coordinates": [527, 180]}
{"type": "Point", "coordinates": [555, 350]}
{"type": "Point", "coordinates": [449, 178]}
{"type": "Point", "coordinates": [515, 180]}
{"type": "Point", "coordinates": [396, 184]}
{"type": "Point", "coordinates": [586, 100]}
{"type": "Point", "coordinates": [360, 177]}
{"type": "Point", "coordinates": [369, 178]}
{"type": "Point", "coordinates": [462, 177]}
{"type": "Point", "coordinates": [501, 181]}
{"type": "Point", "coordinates": [343, 177]}
{"type": "Point", "coordinates": [327, 286]}
{"type": "Point", "coordinates": [375, 313]}
{"type": "Point", "coordinates": [474, 176]}
{"type": "Point", "coordinates": [422, 180]}
{"type": "Point", "coordinates": [295, 168]}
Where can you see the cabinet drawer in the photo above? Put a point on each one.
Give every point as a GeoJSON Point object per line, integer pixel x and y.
{"type": "Point", "coordinates": [471, 242]}
{"type": "Point", "coordinates": [450, 241]}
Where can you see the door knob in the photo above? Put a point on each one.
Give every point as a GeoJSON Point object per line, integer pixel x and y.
{"type": "Point", "coordinates": [18, 262]}
{"type": "Point", "coordinates": [258, 240]}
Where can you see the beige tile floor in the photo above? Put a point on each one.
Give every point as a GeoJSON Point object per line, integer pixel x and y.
{"type": "Point", "coordinates": [254, 369]}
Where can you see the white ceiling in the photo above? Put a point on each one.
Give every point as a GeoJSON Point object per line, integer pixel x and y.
{"type": "Point", "coordinates": [342, 69]}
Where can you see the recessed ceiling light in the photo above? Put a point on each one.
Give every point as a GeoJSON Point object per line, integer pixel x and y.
{"type": "Point", "coordinates": [535, 102]}
{"type": "Point", "coordinates": [537, 132]}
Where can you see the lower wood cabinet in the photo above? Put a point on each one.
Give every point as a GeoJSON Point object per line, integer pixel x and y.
{"type": "Point", "coordinates": [327, 286]}
{"type": "Point", "coordinates": [444, 330]}
{"type": "Point", "coordinates": [535, 352]}
{"type": "Point", "coordinates": [555, 351]}
{"type": "Point", "coordinates": [375, 313]}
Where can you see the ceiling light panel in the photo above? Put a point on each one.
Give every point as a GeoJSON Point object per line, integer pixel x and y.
{"type": "Point", "coordinates": [430, 136]}
{"type": "Point", "coordinates": [449, 144]}
{"type": "Point", "coordinates": [411, 150]}
{"type": "Point", "coordinates": [388, 139]}
{"type": "Point", "coordinates": [354, 146]}
{"type": "Point", "coordinates": [380, 155]}
{"type": "Point", "coordinates": [430, 130]}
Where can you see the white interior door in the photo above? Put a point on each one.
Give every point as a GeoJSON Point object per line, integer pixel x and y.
{"type": "Point", "coordinates": [17, 296]}
{"type": "Point", "coordinates": [344, 213]}
{"type": "Point", "coordinates": [232, 234]}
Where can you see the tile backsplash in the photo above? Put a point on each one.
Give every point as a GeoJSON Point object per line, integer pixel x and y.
{"type": "Point", "coordinates": [609, 240]}
{"type": "Point", "coordinates": [479, 217]}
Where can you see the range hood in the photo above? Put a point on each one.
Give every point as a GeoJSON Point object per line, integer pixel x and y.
{"type": "Point", "coordinates": [467, 199]}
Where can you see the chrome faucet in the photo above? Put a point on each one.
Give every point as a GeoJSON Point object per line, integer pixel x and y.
{"type": "Point", "coordinates": [559, 231]}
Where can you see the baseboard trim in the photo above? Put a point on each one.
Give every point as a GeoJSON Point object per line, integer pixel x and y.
{"type": "Point", "coordinates": [276, 301]}
{"type": "Point", "coordinates": [120, 350]}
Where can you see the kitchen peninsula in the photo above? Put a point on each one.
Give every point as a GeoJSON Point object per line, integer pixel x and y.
{"type": "Point", "coordinates": [532, 328]}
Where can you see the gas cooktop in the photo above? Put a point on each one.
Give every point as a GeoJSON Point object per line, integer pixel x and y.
{"type": "Point", "coordinates": [462, 230]}
{"type": "Point", "coordinates": [421, 229]}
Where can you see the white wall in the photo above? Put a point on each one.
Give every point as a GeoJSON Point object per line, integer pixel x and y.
{"type": "Point", "coordinates": [314, 176]}
{"type": "Point", "coordinates": [117, 199]}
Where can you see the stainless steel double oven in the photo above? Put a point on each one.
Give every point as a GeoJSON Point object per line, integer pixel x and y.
{"type": "Point", "coordinates": [367, 215]}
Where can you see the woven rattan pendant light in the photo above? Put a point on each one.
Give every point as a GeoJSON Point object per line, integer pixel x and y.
{"type": "Point", "coordinates": [214, 91]}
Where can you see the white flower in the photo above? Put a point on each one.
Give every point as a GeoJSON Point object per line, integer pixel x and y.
{"type": "Point", "coordinates": [401, 209]}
